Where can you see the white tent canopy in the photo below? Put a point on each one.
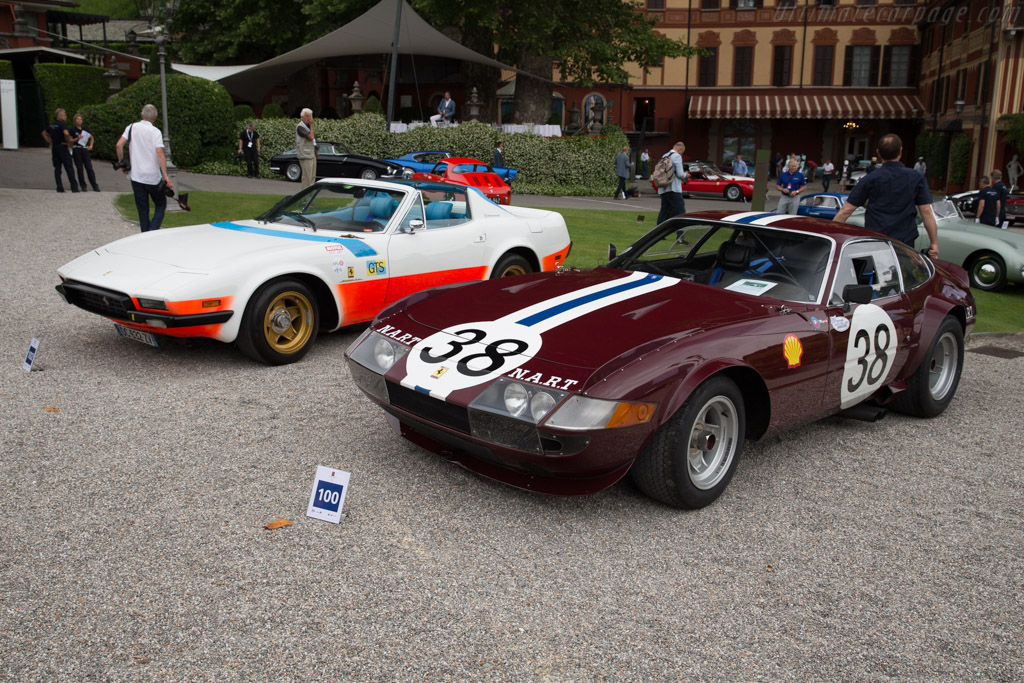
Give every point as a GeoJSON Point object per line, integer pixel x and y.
{"type": "Point", "coordinates": [370, 34]}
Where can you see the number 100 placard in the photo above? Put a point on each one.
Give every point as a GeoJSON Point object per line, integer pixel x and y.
{"type": "Point", "coordinates": [328, 495]}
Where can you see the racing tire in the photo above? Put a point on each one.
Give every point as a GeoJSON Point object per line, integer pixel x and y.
{"type": "Point", "coordinates": [368, 174]}
{"type": "Point", "coordinates": [691, 459]}
{"type": "Point", "coordinates": [733, 193]}
{"type": "Point", "coordinates": [934, 383]}
{"type": "Point", "coordinates": [293, 172]}
{"type": "Point", "coordinates": [510, 265]}
{"type": "Point", "coordinates": [280, 323]}
{"type": "Point", "coordinates": [987, 271]}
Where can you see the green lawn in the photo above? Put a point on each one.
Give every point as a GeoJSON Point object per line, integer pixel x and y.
{"type": "Point", "coordinates": [591, 232]}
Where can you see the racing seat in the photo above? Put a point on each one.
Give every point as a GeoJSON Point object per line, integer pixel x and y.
{"type": "Point", "coordinates": [732, 261]}
{"type": "Point", "coordinates": [381, 209]}
{"type": "Point", "coordinates": [439, 211]}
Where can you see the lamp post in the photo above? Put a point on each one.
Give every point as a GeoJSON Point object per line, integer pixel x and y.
{"type": "Point", "coordinates": [159, 13]}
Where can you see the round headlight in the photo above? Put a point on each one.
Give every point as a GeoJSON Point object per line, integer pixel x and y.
{"type": "Point", "coordinates": [541, 405]}
{"type": "Point", "coordinates": [516, 399]}
{"type": "Point", "coordinates": [383, 354]}
{"type": "Point", "coordinates": [407, 172]}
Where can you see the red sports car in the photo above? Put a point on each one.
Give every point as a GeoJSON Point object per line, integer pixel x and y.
{"type": "Point", "coordinates": [707, 180]}
{"type": "Point", "coordinates": [713, 328]}
{"type": "Point", "coordinates": [471, 172]}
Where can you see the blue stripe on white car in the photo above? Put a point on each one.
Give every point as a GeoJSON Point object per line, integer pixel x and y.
{"type": "Point", "coordinates": [475, 353]}
{"type": "Point", "coordinates": [357, 247]}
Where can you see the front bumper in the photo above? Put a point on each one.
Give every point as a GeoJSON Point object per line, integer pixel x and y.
{"type": "Point", "coordinates": [121, 307]}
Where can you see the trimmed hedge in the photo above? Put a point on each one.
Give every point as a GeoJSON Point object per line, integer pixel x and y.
{"type": "Point", "coordinates": [243, 112]}
{"type": "Point", "coordinates": [6, 69]}
{"type": "Point", "coordinates": [272, 111]}
{"type": "Point", "coordinates": [580, 166]}
{"type": "Point", "coordinates": [960, 158]}
{"type": "Point", "coordinates": [71, 87]}
{"type": "Point", "coordinates": [201, 118]}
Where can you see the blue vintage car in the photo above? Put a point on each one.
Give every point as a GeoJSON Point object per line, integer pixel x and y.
{"type": "Point", "coordinates": [424, 162]}
{"type": "Point", "coordinates": [822, 204]}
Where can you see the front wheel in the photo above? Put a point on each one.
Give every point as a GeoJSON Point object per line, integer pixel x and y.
{"type": "Point", "coordinates": [934, 383]}
{"type": "Point", "coordinates": [293, 172]}
{"type": "Point", "coordinates": [733, 193]}
{"type": "Point", "coordinates": [368, 174]}
{"type": "Point", "coordinates": [511, 264]}
{"type": "Point", "coordinates": [280, 323]}
{"type": "Point", "coordinates": [691, 459]}
{"type": "Point", "coordinates": [988, 272]}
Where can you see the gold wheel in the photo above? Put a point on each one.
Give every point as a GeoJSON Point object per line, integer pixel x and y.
{"type": "Point", "coordinates": [511, 265]}
{"type": "Point", "coordinates": [514, 269]}
{"type": "Point", "coordinates": [288, 322]}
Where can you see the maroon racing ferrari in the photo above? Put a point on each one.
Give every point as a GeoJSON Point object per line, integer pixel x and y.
{"type": "Point", "coordinates": [714, 328]}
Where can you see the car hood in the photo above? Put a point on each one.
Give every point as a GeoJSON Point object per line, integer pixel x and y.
{"type": "Point", "coordinates": [147, 261]}
{"type": "Point", "coordinates": [587, 318]}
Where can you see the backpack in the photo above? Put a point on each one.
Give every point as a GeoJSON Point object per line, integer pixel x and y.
{"type": "Point", "coordinates": [664, 172]}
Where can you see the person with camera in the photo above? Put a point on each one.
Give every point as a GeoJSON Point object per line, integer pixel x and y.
{"type": "Point", "coordinates": [58, 138]}
{"type": "Point", "coordinates": [146, 166]}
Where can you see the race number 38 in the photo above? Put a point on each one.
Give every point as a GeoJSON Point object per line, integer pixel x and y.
{"type": "Point", "coordinates": [870, 353]}
{"type": "Point", "coordinates": [469, 354]}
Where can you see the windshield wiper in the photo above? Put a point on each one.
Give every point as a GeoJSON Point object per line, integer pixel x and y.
{"type": "Point", "coordinates": [300, 218]}
{"type": "Point", "coordinates": [272, 211]}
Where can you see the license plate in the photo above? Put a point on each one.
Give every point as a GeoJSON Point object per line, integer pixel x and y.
{"type": "Point", "coordinates": [137, 335]}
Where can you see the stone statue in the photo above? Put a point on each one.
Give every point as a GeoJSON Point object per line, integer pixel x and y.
{"type": "Point", "coordinates": [1013, 171]}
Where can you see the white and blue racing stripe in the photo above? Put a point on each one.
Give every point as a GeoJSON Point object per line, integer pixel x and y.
{"type": "Point", "coordinates": [756, 217]}
{"type": "Point", "coordinates": [357, 247]}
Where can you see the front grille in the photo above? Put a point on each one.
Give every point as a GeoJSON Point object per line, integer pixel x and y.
{"type": "Point", "coordinates": [105, 302]}
{"type": "Point", "coordinates": [428, 408]}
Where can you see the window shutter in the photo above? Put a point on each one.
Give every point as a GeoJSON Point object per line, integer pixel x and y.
{"type": "Point", "coordinates": [733, 4]}
{"type": "Point", "coordinates": [914, 71]}
{"type": "Point", "coordinates": [848, 66]}
{"type": "Point", "coordinates": [876, 57]}
{"type": "Point", "coordinates": [886, 65]}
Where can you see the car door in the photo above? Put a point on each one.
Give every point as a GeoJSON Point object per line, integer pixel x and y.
{"type": "Point", "coordinates": [451, 245]}
{"type": "Point", "coordinates": [326, 161]}
{"type": "Point", "coordinates": [871, 341]}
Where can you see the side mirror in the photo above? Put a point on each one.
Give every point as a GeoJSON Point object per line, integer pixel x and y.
{"type": "Point", "coordinates": [414, 225]}
{"type": "Point", "coordinates": [612, 251]}
{"type": "Point", "coordinates": [858, 294]}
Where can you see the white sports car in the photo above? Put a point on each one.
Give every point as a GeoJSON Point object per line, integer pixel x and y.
{"type": "Point", "coordinates": [334, 254]}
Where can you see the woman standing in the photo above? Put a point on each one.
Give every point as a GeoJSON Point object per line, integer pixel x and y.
{"type": "Point", "coordinates": [81, 153]}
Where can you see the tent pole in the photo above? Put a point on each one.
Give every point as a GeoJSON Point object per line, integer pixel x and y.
{"type": "Point", "coordinates": [394, 64]}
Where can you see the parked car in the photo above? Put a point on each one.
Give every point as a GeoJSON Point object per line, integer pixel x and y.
{"type": "Point", "coordinates": [332, 255]}
{"type": "Point", "coordinates": [822, 204]}
{"type": "Point", "coordinates": [992, 256]}
{"type": "Point", "coordinates": [335, 160]}
{"type": "Point", "coordinates": [471, 172]}
{"type": "Point", "coordinates": [714, 328]}
{"type": "Point", "coordinates": [424, 162]}
{"type": "Point", "coordinates": [707, 180]}
{"type": "Point", "coordinates": [967, 203]}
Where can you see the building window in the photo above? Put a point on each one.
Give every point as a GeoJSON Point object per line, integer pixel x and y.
{"type": "Point", "coordinates": [782, 65]}
{"type": "Point", "coordinates": [859, 57]}
{"type": "Point", "coordinates": [744, 65]}
{"type": "Point", "coordinates": [656, 5]}
{"type": "Point", "coordinates": [746, 4]}
{"type": "Point", "coordinates": [785, 3]}
{"type": "Point", "coordinates": [709, 4]}
{"type": "Point", "coordinates": [899, 66]}
{"type": "Point", "coordinates": [824, 56]}
{"type": "Point", "coordinates": [831, 3]}
{"type": "Point", "coordinates": [980, 92]}
{"type": "Point", "coordinates": [865, 3]}
{"type": "Point", "coordinates": [707, 76]}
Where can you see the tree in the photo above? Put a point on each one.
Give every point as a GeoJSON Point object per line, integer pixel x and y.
{"type": "Point", "coordinates": [1014, 134]}
{"type": "Point", "coordinates": [238, 31]}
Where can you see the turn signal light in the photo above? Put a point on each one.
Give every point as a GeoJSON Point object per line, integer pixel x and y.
{"type": "Point", "coordinates": [211, 303]}
{"type": "Point", "coordinates": [629, 414]}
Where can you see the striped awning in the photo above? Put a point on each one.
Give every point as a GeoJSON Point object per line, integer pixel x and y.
{"type": "Point", "coordinates": [841, 106]}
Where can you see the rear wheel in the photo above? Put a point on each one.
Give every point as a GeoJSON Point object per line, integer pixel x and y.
{"type": "Point", "coordinates": [511, 264]}
{"type": "Point", "coordinates": [988, 272]}
{"type": "Point", "coordinates": [733, 193]}
{"type": "Point", "coordinates": [934, 383]}
{"type": "Point", "coordinates": [368, 174]}
{"type": "Point", "coordinates": [280, 323]}
{"type": "Point", "coordinates": [691, 459]}
{"type": "Point", "coordinates": [293, 172]}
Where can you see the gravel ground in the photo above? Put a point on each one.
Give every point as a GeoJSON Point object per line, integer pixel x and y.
{"type": "Point", "coordinates": [135, 484]}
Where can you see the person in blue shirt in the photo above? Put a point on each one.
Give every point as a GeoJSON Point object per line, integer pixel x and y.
{"type": "Point", "coordinates": [739, 167]}
{"type": "Point", "coordinates": [893, 195]}
{"type": "Point", "coordinates": [791, 184]}
{"type": "Point", "coordinates": [988, 203]}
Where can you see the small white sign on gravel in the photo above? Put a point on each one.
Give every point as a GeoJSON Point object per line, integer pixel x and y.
{"type": "Point", "coordinates": [30, 357]}
{"type": "Point", "coordinates": [328, 495]}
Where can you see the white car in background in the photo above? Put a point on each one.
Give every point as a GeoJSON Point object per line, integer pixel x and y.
{"type": "Point", "coordinates": [332, 255]}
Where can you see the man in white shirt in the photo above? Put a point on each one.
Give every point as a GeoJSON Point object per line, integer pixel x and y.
{"type": "Point", "coordinates": [148, 167]}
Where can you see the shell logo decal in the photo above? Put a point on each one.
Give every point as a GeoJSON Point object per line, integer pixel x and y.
{"type": "Point", "coordinates": [793, 350]}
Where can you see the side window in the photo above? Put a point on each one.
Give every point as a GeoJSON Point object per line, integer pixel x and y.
{"type": "Point", "coordinates": [444, 209]}
{"type": "Point", "coordinates": [867, 263]}
{"type": "Point", "coordinates": [415, 213]}
{"type": "Point", "coordinates": [915, 268]}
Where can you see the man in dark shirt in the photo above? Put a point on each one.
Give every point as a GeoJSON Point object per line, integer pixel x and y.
{"type": "Point", "coordinates": [891, 193]}
{"type": "Point", "coordinates": [249, 146]}
{"type": "Point", "coordinates": [59, 139]}
{"type": "Point", "coordinates": [1004, 193]}
{"type": "Point", "coordinates": [988, 203]}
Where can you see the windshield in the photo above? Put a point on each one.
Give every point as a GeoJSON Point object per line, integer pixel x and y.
{"type": "Point", "coordinates": [944, 208]}
{"type": "Point", "coordinates": [741, 258]}
{"type": "Point", "coordinates": [346, 208]}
